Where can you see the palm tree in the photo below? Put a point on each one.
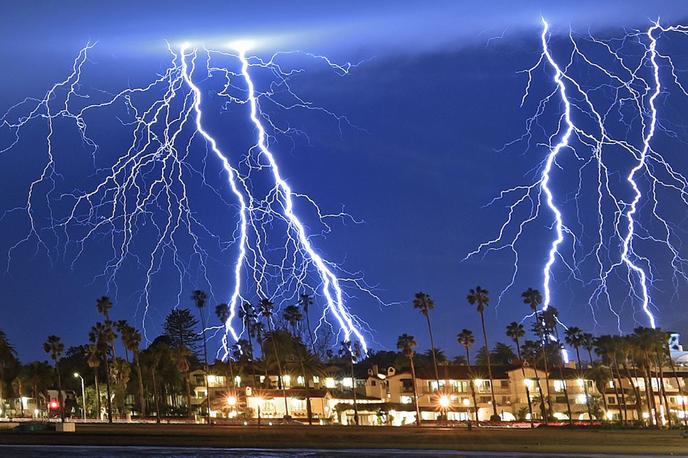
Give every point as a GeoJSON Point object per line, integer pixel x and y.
{"type": "Point", "coordinates": [39, 376]}
{"type": "Point", "coordinates": [153, 356]}
{"type": "Point", "coordinates": [550, 321]}
{"type": "Point", "coordinates": [660, 339]}
{"type": "Point", "coordinates": [103, 336]}
{"type": "Point", "coordinates": [531, 350]}
{"type": "Point", "coordinates": [625, 350]}
{"type": "Point", "coordinates": [406, 344]}
{"type": "Point", "coordinates": [606, 348]}
{"type": "Point", "coordinates": [601, 375]}
{"type": "Point", "coordinates": [352, 352]}
{"type": "Point", "coordinates": [467, 339]}
{"type": "Point", "coordinates": [574, 337]}
{"type": "Point", "coordinates": [266, 307]}
{"type": "Point", "coordinates": [200, 298]}
{"type": "Point", "coordinates": [248, 317]}
{"type": "Point", "coordinates": [93, 360]}
{"type": "Point", "coordinates": [182, 356]}
{"type": "Point", "coordinates": [131, 339]}
{"type": "Point", "coordinates": [643, 344]}
{"type": "Point", "coordinates": [516, 331]}
{"type": "Point", "coordinates": [55, 348]}
{"type": "Point", "coordinates": [306, 300]}
{"type": "Point", "coordinates": [480, 298]}
{"type": "Point", "coordinates": [104, 304]}
{"type": "Point", "coordinates": [293, 316]}
{"type": "Point", "coordinates": [533, 298]}
{"type": "Point", "coordinates": [424, 303]}
{"type": "Point", "coordinates": [222, 312]}
{"type": "Point", "coordinates": [588, 342]}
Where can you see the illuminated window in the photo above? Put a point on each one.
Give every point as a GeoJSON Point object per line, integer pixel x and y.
{"type": "Point", "coordinates": [300, 380]}
{"type": "Point", "coordinates": [329, 382]}
{"type": "Point", "coordinates": [406, 399]}
{"type": "Point", "coordinates": [558, 385]}
{"type": "Point", "coordinates": [347, 382]}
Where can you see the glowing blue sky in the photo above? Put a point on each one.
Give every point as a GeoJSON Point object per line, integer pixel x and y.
{"type": "Point", "coordinates": [438, 96]}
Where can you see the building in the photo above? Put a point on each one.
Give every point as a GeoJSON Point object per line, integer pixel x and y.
{"type": "Point", "coordinates": [386, 397]}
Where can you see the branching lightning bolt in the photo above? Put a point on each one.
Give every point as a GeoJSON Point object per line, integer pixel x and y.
{"type": "Point", "coordinates": [627, 97]}
{"type": "Point", "coordinates": [144, 195]}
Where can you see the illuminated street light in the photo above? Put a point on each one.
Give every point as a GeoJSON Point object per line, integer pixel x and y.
{"type": "Point", "coordinates": [231, 401]}
{"type": "Point", "coordinates": [445, 402]}
{"type": "Point", "coordinates": [83, 395]}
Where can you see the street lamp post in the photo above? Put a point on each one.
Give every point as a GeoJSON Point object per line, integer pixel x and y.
{"type": "Point", "coordinates": [259, 402]}
{"type": "Point", "coordinates": [83, 395]}
{"type": "Point", "coordinates": [445, 403]}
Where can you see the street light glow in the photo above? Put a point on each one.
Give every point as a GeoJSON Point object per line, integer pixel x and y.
{"type": "Point", "coordinates": [444, 401]}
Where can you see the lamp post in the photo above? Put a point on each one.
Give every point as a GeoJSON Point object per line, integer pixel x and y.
{"type": "Point", "coordinates": [83, 395]}
{"type": "Point", "coordinates": [467, 404]}
{"type": "Point", "coordinates": [445, 403]}
{"type": "Point", "coordinates": [259, 401]}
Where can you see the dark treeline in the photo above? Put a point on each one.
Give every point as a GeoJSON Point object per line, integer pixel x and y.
{"type": "Point", "coordinates": [617, 358]}
{"type": "Point", "coordinates": [122, 377]}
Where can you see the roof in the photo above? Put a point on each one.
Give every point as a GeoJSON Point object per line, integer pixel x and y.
{"type": "Point", "coordinates": [299, 393]}
{"type": "Point", "coordinates": [459, 372]}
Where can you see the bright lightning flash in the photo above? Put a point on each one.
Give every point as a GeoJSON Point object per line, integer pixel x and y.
{"type": "Point", "coordinates": [142, 202]}
{"type": "Point", "coordinates": [602, 121]}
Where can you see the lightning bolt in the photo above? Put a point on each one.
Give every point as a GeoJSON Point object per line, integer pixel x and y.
{"type": "Point", "coordinates": [589, 118]}
{"type": "Point", "coordinates": [145, 194]}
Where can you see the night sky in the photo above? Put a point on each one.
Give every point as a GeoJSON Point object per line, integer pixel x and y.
{"type": "Point", "coordinates": [434, 99]}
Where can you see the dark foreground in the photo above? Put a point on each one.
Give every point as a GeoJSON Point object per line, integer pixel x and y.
{"type": "Point", "coordinates": [543, 440]}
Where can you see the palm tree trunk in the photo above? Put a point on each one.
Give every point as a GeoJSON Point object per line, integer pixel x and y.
{"type": "Point", "coordinates": [585, 386]}
{"type": "Point", "coordinates": [432, 346]}
{"type": "Point", "coordinates": [187, 387]}
{"type": "Point", "coordinates": [546, 364]}
{"type": "Point", "coordinates": [566, 393]}
{"type": "Point", "coordinates": [475, 399]}
{"type": "Point", "coordinates": [663, 390]}
{"type": "Point", "coordinates": [563, 380]}
{"type": "Point", "coordinates": [636, 393]}
{"type": "Point", "coordinates": [156, 397]}
{"type": "Point", "coordinates": [310, 331]}
{"type": "Point", "coordinates": [142, 397]}
{"type": "Point", "coordinates": [250, 349]}
{"type": "Point", "coordinates": [309, 411]}
{"type": "Point", "coordinates": [649, 393]}
{"type": "Point", "coordinates": [415, 392]}
{"type": "Point", "coordinates": [279, 371]}
{"type": "Point", "coordinates": [205, 367]}
{"type": "Point", "coordinates": [489, 368]}
{"type": "Point", "coordinates": [107, 385]}
{"type": "Point", "coordinates": [622, 413]}
{"type": "Point", "coordinates": [353, 391]}
{"type": "Point", "coordinates": [60, 398]}
{"type": "Point", "coordinates": [97, 394]}
{"type": "Point", "coordinates": [523, 371]}
{"type": "Point", "coordinates": [543, 405]}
